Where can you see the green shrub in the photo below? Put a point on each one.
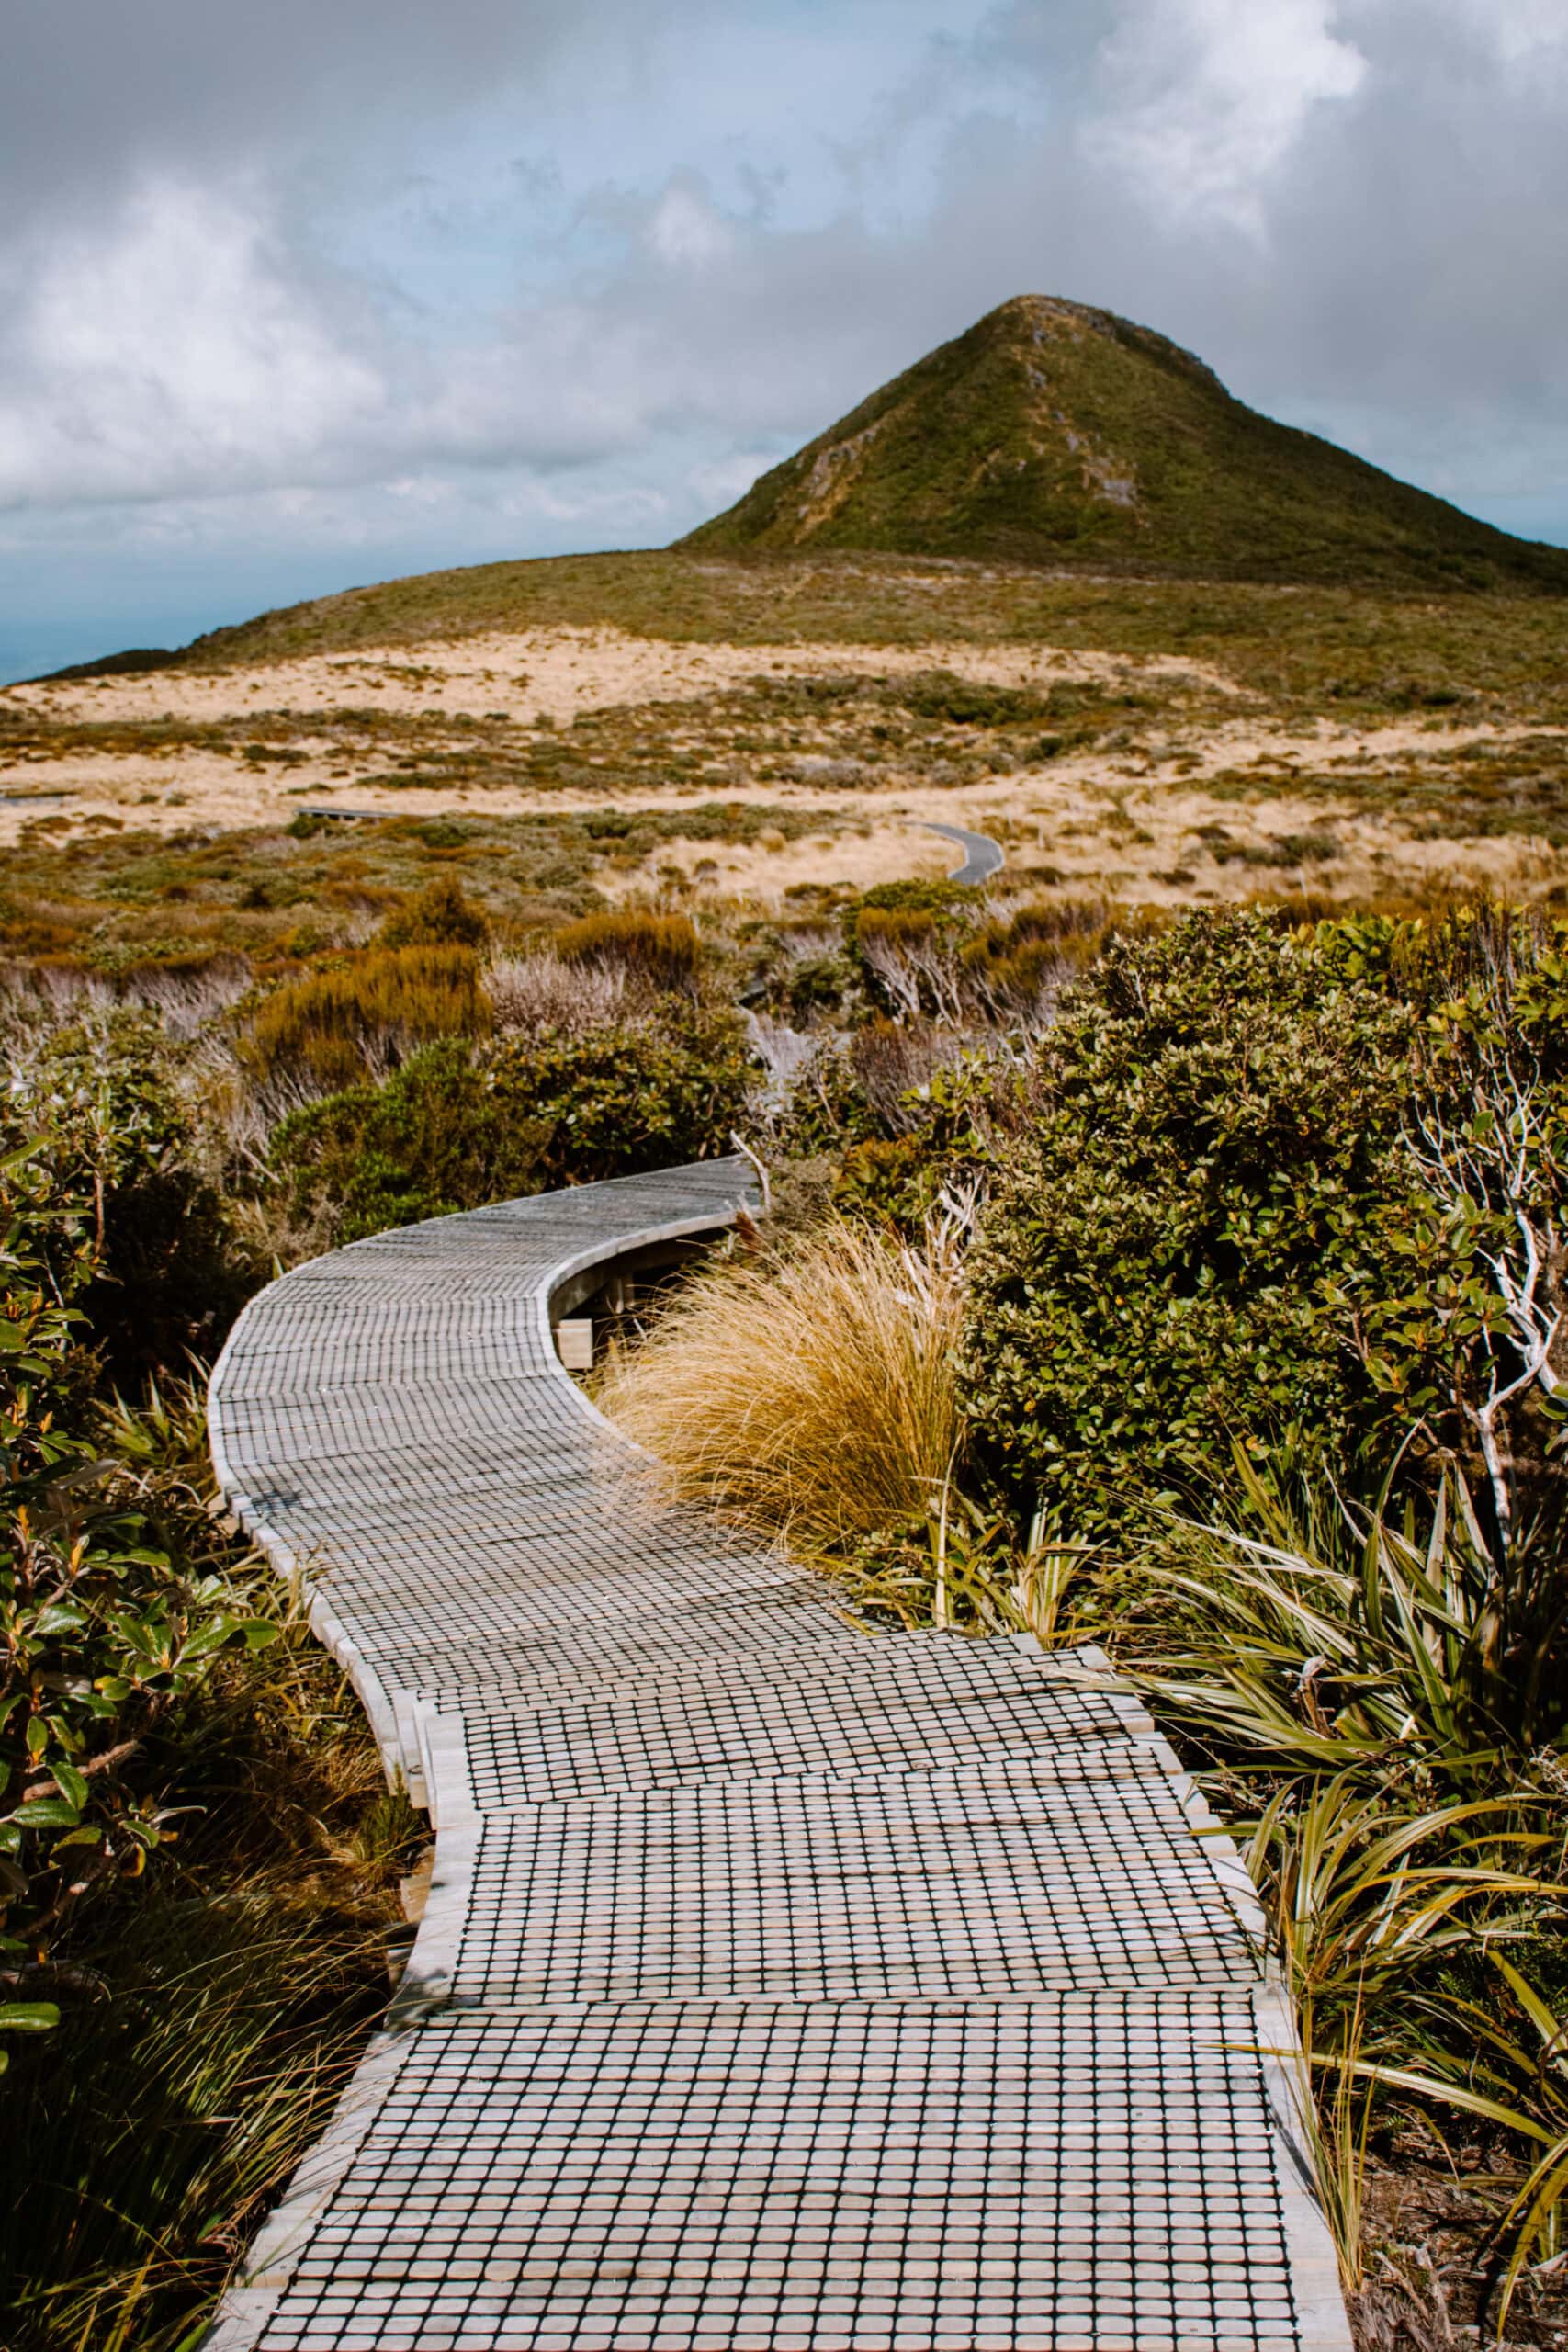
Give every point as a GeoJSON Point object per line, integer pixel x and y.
{"type": "Point", "coordinates": [165, 1276]}
{"type": "Point", "coordinates": [940, 696]}
{"type": "Point", "coordinates": [109, 1617]}
{"type": "Point", "coordinates": [948, 903]}
{"type": "Point", "coordinates": [335, 1026]}
{"type": "Point", "coordinates": [818, 985]}
{"type": "Point", "coordinates": [429, 1138]}
{"type": "Point", "coordinates": [661, 949]}
{"type": "Point", "coordinates": [216, 1985]}
{"type": "Point", "coordinates": [458, 1126]}
{"type": "Point", "coordinates": [1212, 1179]}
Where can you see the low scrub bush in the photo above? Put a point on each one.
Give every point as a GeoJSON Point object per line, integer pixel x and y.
{"type": "Point", "coordinates": [662, 950]}
{"type": "Point", "coordinates": [950, 904]}
{"type": "Point", "coordinates": [904, 1120]}
{"type": "Point", "coordinates": [214, 2001]}
{"type": "Point", "coordinates": [114, 1612]}
{"type": "Point", "coordinates": [1212, 1169]}
{"type": "Point", "coordinates": [941, 697]}
{"type": "Point", "coordinates": [457, 1126]}
{"type": "Point", "coordinates": [440, 916]}
{"type": "Point", "coordinates": [136, 1233]}
{"type": "Point", "coordinates": [196, 1877]}
{"type": "Point", "coordinates": [359, 1019]}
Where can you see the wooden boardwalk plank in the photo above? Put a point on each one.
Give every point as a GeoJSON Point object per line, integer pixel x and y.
{"type": "Point", "coordinates": [781, 1986]}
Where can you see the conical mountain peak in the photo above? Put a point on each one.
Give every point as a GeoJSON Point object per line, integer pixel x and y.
{"type": "Point", "coordinates": [1053, 433]}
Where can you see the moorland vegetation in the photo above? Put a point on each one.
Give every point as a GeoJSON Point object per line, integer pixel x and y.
{"type": "Point", "coordinates": [1184, 1277]}
{"type": "Point", "coordinates": [1188, 1284]}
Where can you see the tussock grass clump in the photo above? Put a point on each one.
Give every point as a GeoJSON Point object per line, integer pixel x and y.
{"type": "Point", "coordinates": [1038, 947]}
{"type": "Point", "coordinates": [173, 2112]}
{"type": "Point", "coordinates": [661, 949]}
{"type": "Point", "coordinates": [809, 1390]}
{"type": "Point", "coordinates": [338, 1028]}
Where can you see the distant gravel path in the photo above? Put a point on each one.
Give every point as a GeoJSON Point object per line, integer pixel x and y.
{"type": "Point", "coordinates": [982, 856]}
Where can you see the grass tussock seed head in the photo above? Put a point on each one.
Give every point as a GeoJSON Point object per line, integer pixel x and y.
{"type": "Point", "coordinates": [809, 1391]}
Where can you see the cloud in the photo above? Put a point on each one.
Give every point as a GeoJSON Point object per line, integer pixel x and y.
{"type": "Point", "coordinates": [96, 93]}
{"type": "Point", "coordinates": [686, 231]}
{"type": "Point", "coordinates": [180, 349]}
{"type": "Point", "coordinates": [494, 269]}
{"type": "Point", "coordinates": [1205, 99]}
{"type": "Point", "coordinates": [193, 349]}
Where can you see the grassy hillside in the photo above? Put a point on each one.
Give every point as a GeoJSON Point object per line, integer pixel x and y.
{"type": "Point", "coordinates": [1307, 645]}
{"type": "Point", "coordinates": [1055, 434]}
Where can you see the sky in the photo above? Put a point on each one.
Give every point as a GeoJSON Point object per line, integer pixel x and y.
{"type": "Point", "coordinates": [323, 292]}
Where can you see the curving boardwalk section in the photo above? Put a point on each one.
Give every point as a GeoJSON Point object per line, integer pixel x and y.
{"type": "Point", "coordinates": [781, 1986]}
{"type": "Point", "coordinates": [982, 856]}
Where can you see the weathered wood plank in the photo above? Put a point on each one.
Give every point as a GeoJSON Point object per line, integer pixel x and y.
{"type": "Point", "coordinates": [779, 1985]}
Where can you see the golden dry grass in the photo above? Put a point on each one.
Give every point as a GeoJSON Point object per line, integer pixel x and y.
{"type": "Point", "coordinates": [809, 1390]}
{"type": "Point", "coordinates": [339, 1024]}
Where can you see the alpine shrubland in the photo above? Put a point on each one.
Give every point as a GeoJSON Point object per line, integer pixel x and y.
{"type": "Point", "coordinates": [1191, 1285]}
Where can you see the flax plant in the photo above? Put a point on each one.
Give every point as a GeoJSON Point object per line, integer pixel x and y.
{"type": "Point", "coordinates": [1393, 1706]}
{"type": "Point", "coordinates": [1328, 1638]}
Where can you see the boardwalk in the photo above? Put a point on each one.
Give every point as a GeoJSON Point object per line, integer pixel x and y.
{"type": "Point", "coordinates": [781, 1986]}
{"type": "Point", "coordinates": [982, 856]}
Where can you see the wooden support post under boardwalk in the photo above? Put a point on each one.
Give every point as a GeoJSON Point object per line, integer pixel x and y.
{"type": "Point", "coordinates": [778, 1987]}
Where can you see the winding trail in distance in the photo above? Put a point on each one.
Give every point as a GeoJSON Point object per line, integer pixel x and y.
{"type": "Point", "coordinates": [783, 1987]}
{"type": "Point", "coordinates": [982, 856]}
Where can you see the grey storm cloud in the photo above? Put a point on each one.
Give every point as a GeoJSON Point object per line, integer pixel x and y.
{"type": "Point", "coordinates": [234, 264]}
{"type": "Point", "coordinates": [95, 90]}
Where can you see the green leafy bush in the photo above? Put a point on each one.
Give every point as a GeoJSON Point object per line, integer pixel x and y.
{"type": "Point", "coordinates": [214, 2001]}
{"type": "Point", "coordinates": [1213, 1170]}
{"type": "Point", "coordinates": [457, 1126]}
{"type": "Point", "coordinates": [117, 1156]}
{"type": "Point", "coordinates": [106, 1622]}
{"type": "Point", "coordinates": [952, 905]}
{"type": "Point", "coordinates": [1463, 1331]}
{"type": "Point", "coordinates": [197, 1858]}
